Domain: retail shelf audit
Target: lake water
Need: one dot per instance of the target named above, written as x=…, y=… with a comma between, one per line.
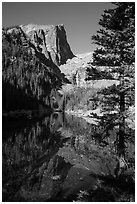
x=61, y=158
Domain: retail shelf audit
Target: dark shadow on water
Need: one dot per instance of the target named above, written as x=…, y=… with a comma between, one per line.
x=60, y=158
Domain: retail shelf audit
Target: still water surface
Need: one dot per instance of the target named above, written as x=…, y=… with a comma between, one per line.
x=57, y=158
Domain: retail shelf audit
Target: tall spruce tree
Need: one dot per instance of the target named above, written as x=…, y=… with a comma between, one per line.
x=116, y=50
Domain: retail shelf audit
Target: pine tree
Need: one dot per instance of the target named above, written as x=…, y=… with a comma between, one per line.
x=116, y=50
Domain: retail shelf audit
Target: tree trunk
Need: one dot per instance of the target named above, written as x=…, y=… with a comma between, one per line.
x=121, y=133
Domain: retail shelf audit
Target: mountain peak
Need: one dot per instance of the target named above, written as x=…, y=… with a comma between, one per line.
x=50, y=40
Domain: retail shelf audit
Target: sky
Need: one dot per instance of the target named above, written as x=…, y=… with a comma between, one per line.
x=80, y=19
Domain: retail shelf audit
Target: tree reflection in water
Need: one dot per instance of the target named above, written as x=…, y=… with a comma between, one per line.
x=61, y=158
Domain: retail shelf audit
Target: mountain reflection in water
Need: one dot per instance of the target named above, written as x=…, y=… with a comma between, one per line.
x=60, y=158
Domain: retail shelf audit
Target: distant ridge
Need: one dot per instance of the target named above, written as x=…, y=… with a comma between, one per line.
x=82, y=55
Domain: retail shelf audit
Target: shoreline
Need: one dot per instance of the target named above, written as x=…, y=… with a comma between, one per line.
x=86, y=115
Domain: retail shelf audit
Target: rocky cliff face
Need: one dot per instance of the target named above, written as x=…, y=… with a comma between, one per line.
x=50, y=41
x=30, y=57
